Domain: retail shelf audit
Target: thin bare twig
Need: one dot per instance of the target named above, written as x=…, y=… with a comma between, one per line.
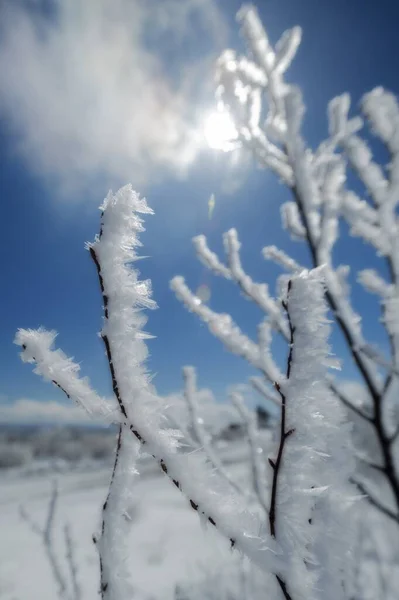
x=369, y=464
x=71, y=560
x=254, y=448
x=394, y=435
x=203, y=438
x=46, y=535
x=376, y=503
x=358, y=411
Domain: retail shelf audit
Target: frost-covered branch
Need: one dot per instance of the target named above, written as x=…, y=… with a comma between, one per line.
x=268, y=394
x=207, y=495
x=378, y=223
x=202, y=437
x=46, y=534
x=54, y=366
x=375, y=501
x=257, y=292
x=315, y=181
x=281, y=258
x=256, y=452
x=224, y=328
x=222, y=325
x=111, y=543
x=312, y=463
x=271, y=130
x=284, y=432
x=313, y=450
x=350, y=405
x=308, y=197
x=210, y=259
x=140, y=409
x=72, y=565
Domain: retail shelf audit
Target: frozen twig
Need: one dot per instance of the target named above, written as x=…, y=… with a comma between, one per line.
x=103, y=255
x=259, y=385
x=140, y=409
x=256, y=451
x=46, y=534
x=281, y=258
x=347, y=403
x=317, y=181
x=226, y=330
x=202, y=437
x=284, y=432
x=76, y=591
x=256, y=292
x=111, y=544
x=370, y=497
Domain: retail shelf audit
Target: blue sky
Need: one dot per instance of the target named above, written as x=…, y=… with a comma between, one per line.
x=78, y=116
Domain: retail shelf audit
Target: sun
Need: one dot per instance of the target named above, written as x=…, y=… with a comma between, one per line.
x=220, y=132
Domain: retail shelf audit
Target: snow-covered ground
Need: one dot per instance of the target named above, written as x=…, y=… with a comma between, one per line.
x=168, y=545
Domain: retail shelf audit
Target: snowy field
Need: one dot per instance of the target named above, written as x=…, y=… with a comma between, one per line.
x=168, y=546
x=167, y=543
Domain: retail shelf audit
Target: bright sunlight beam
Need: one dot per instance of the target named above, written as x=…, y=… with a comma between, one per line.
x=220, y=132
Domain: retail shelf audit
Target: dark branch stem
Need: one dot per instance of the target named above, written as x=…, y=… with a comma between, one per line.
x=46, y=535
x=284, y=434
x=376, y=503
x=394, y=436
x=103, y=582
x=349, y=404
x=370, y=465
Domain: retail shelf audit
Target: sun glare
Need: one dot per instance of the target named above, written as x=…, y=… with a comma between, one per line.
x=220, y=132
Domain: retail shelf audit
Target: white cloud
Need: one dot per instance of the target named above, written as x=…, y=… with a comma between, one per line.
x=89, y=92
x=217, y=415
x=28, y=411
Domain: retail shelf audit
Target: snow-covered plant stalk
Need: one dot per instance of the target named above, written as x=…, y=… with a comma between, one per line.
x=111, y=544
x=307, y=500
x=137, y=407
x=76, y=593
x=314, y=462
x=305, y=505
x=202, y=439
x=46, y=534
x=140, y=408
x=308, y=497
x=258, y=466
x=271, y=130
